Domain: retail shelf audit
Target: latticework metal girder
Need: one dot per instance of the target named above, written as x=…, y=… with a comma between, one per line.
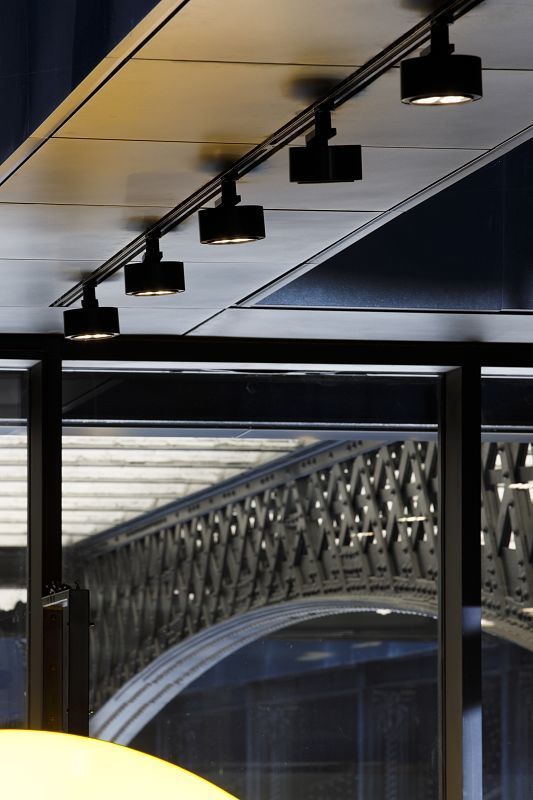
x=339, y=519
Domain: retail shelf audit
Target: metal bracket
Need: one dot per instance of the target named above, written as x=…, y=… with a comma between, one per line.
x=66, y=661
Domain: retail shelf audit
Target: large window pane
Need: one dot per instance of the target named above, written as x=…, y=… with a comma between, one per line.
x=507, y=516
x=261, y=555
x=344, y=707
x=13, y=548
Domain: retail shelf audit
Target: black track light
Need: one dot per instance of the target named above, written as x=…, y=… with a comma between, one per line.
x=91, y=321
x=319, y=162
x=153, y=276
x=230, y=223
x=438, y=77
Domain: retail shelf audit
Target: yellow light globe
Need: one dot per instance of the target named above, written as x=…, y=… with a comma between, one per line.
x=39, y=765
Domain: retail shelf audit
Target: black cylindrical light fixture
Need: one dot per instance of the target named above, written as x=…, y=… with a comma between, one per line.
x=319, y=162
x=90, y=322
x=152, y=276
x=439, y=77
x=230, y=223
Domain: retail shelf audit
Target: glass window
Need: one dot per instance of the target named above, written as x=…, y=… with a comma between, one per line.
x=261, y=555
x=344, y=706
x=13, y=548
x=507, y=514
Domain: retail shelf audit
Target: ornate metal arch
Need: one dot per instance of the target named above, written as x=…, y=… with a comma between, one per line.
x=340, y=520
x=143, y=696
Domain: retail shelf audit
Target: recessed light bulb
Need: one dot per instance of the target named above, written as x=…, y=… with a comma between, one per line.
x=85, y=337
x=426, y=101
x=155, y=293
x=455, y=99
x=241, y=240
x=444, y=100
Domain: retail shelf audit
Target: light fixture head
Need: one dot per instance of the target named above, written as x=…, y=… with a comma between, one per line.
x=91, y=322
x=319, y=162
x=438, y=77
x=153, y=277
x=230, y=223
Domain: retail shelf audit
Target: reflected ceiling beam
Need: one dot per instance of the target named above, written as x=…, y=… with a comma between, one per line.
x=109, y=480
x=12, y=566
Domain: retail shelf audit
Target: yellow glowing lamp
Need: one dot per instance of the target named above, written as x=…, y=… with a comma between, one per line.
x=38, y=765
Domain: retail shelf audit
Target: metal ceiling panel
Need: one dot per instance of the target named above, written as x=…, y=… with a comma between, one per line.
x=390, y=175
x=278, y=31
x=161, y=322
x=377, y=118
x=36, y=282
x=500, y=31
x=30, y=319
x=369, y=325
x=491, y=159
x=208, y=285
x=67, y=233
x=195, y=102
x=148, y=320
x=37, y=239
x=217, y=284
x=163, y=124
x=292, y=236
x=111, y=172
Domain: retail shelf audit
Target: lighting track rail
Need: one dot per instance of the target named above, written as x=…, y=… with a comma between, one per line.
x=297, y=126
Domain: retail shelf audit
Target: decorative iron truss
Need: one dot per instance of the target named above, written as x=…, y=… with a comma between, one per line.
x=337, y=519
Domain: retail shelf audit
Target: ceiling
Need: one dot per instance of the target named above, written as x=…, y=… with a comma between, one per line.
x=108, y=480
x=205, y=88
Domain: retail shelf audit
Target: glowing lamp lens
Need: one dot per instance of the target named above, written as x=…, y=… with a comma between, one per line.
x=38, y=765
x=446, y=100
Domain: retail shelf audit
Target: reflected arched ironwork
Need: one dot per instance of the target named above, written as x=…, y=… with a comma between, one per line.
x=122, y=717
x=337, y=520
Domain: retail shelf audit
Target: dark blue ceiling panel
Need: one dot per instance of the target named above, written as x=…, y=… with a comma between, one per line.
x=47, y=47
x=467, y=248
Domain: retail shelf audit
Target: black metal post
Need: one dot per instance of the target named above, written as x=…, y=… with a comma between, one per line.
x=44, y=515
x=66, y=661
x=460, y=585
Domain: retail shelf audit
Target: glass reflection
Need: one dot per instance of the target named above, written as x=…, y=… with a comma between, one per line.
x=341, y=707
x=348, y=711
x=13, y=547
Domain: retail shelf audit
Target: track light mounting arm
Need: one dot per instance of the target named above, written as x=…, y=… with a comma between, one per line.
x=228, y=193
x=439, y=39
x=152, y=252
x=323, y=130
x=89, y=296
